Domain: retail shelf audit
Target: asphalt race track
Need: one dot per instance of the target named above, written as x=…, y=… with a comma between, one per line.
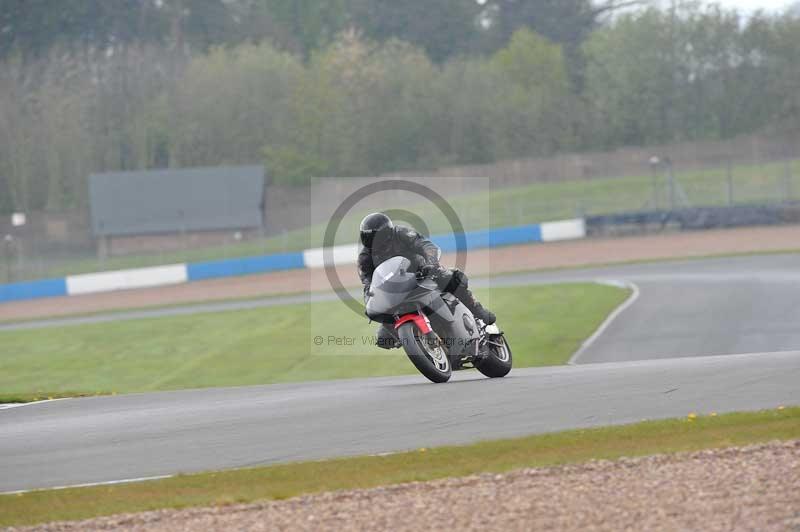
x=696, y=308
x=684, y=312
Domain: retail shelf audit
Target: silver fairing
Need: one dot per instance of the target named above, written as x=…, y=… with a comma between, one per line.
x=455, y=324
x=396, y=291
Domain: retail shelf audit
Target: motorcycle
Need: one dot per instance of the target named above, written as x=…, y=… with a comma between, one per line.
x=438, y=332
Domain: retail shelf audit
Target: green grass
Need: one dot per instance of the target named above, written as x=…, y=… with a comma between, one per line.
x=533, y=203
x=289, y=480
x=545, y=325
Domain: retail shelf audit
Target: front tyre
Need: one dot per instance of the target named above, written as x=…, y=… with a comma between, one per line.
x=426, y=353
x=497, y=361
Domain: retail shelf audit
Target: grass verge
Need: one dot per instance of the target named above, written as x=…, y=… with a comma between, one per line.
x=290, y=480
x=545, y=325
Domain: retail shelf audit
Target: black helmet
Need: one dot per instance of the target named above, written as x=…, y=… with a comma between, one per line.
x=372, y=224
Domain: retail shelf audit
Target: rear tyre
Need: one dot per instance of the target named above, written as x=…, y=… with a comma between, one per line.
x=428, y=356
x=497, y=361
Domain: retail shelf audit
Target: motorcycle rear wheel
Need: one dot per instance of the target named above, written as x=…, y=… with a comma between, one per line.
x=431, y=361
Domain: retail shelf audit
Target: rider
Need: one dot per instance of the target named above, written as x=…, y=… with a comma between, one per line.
x=382, y=240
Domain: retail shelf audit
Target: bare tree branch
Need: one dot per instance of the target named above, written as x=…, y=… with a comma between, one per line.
x=615, y=5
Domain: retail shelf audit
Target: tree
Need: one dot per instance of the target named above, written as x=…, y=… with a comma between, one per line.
x=232, y=102
x=565, y=22
x=32, y=27
x=630, y=79
x=535, y=94
x=782, y=87
x=690, y=73
x=340, y=120
x=443, y=28
x=300, y=26
x=468, y=98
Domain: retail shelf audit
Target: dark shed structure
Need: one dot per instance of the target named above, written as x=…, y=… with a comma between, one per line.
x=169, y=201
x=175, y=202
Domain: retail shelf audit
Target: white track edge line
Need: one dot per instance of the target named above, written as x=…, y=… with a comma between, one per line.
x=609, y=320
x=20, y=405
x=90, y=484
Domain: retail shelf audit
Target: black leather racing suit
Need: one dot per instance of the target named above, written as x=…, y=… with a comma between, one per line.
x=421, y=252
x=403, y=242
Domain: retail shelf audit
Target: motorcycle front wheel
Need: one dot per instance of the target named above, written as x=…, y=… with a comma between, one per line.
x=428, y=356
x=497, y=361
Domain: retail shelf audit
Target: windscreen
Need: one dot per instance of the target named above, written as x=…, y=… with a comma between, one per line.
x=392, y=276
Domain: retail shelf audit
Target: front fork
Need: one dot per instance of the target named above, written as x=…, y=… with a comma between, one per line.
x=420, y=320
x=423, y=324
x=489, y=336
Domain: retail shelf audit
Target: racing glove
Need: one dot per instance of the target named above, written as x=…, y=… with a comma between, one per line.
x=431, y=270
x=366, y=291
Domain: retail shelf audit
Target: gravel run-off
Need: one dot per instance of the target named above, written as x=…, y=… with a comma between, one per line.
x=746, y=488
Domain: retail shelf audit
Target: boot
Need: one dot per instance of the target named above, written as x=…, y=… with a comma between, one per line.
x=386, y=338
x=465, y=296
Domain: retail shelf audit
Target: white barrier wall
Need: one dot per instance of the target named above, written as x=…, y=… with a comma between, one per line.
x=563, y=230
x=126, y=279
x=312, y=258
x=342, y=255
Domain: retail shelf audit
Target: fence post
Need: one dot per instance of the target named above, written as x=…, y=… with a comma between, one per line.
x=788, y=180
x=729, y=171
x=654, y=162
x=8, y=256
x=672, y=191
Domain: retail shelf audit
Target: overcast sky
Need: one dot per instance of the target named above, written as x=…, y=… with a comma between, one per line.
x=752, y=5
x=747, y=6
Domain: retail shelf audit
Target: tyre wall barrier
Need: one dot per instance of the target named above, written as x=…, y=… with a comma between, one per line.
x=33, y=290
x=692, y=219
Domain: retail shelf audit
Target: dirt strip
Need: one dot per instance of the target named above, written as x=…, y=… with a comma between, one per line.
x=750, y=488
x=481, y=262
